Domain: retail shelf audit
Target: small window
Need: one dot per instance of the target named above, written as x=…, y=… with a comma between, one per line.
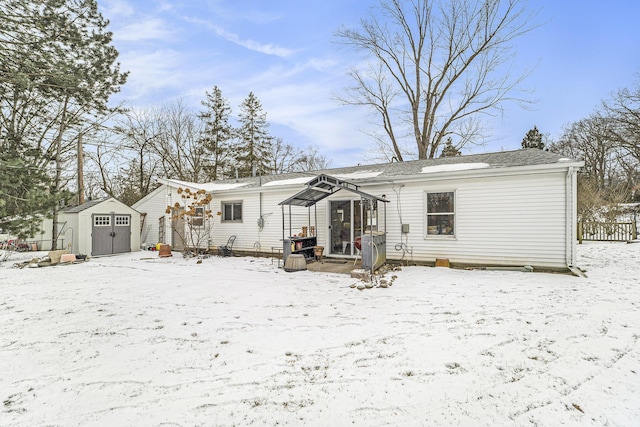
x=102, y=220
x=198, y=217
x=122, y=220
x=440, y=213
x=232, y=211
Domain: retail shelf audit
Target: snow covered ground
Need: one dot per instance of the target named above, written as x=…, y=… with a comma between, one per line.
x=138, y=340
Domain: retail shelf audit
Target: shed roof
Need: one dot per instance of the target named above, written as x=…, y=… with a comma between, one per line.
x=84, y=206
x=91, y=203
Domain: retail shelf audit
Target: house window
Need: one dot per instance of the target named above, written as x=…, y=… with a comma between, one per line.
x=440, y=211
x=232, y=211
x=198, y=217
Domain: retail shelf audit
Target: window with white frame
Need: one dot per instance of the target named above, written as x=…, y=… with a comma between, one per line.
x=102, y=221
x=198, y=217
x=122, y=220
x=232, y=211
x=440, y=212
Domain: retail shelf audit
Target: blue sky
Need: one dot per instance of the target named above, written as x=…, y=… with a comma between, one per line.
x=285, y=53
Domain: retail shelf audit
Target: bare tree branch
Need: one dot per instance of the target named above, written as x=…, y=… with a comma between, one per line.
x=438, y=65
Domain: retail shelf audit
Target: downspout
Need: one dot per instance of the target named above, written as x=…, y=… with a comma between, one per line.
x=168, y=230
x=571, y=214
x=260, y=218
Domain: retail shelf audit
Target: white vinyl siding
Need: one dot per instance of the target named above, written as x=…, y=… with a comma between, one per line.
x=502, y=217
x=249, y=235
x=154, y=205
x=501, y=220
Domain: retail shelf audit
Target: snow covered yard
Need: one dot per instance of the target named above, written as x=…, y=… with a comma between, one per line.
x=138, y=340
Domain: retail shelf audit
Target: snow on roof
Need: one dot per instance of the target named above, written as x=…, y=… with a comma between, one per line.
x=214, y=186
x=357, y=175
x=454, y=167
x=207, y=186
x=305, y=179
x=177, y=182
x=290, y=181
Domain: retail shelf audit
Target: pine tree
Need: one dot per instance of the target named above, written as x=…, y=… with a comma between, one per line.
x=252, y=153
x=449, y=150
x=533, y=139
x=26, y=194
x=56, y=68
x=217, y=132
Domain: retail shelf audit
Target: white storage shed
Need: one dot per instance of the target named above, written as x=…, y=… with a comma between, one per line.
x=97, y=227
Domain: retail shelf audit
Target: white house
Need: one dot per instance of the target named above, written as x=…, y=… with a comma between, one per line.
x=515, y=208
x=97, y=227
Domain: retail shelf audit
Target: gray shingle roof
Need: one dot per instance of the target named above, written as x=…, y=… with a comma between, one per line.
x=84, y=206
x=503, y=159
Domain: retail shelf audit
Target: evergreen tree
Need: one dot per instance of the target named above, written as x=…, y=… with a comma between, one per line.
x=252, y=153
x=533, y=139
x=57, y=67
x=217, y=132
x=26, y=194
x=449, y=150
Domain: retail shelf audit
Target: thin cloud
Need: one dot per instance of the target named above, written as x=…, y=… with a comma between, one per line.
x=147, y=29
x=268, y=49
x=152, y=72
x=117, y=8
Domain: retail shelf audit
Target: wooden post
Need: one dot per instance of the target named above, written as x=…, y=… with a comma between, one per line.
x=80, y=171
x=580, y=232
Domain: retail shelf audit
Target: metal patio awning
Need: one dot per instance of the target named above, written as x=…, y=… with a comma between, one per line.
x=324, y=186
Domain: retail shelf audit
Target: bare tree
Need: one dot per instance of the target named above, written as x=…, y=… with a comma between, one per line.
x=284, y=157
x=179, y=144
x=311, y=160
x=599, y=182
x=624, y=110
x=435, y=67
x=137, y=131
x=122, y=162
x=591, y=140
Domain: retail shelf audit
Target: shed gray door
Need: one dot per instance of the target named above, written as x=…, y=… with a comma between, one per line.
x=110, y=234
x=122, y=233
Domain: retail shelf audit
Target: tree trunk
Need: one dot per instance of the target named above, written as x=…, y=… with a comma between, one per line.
x=56, y=182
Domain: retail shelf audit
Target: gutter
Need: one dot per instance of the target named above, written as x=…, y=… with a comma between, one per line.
x=474, y=173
